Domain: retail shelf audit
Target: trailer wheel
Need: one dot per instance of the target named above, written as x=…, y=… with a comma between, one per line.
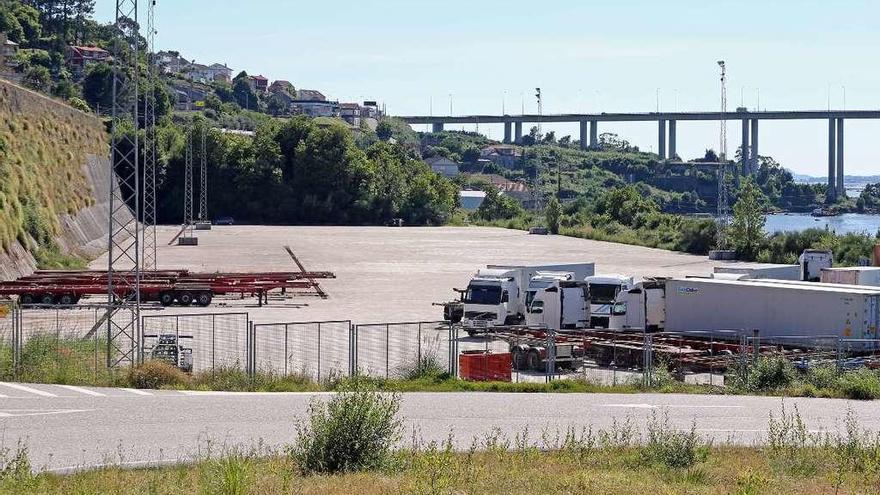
x=47, y=299
x=26, y=299
x=204, y=299
x=67, y=300
x=166, y=298
x=534, y=361
x=185, y=298
x=519, y=356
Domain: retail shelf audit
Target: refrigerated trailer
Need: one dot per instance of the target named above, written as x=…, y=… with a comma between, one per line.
x=772, y=308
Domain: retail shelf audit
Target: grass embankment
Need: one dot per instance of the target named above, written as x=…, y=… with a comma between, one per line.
x=621, y=460
x=43, y=147
x=45, y=359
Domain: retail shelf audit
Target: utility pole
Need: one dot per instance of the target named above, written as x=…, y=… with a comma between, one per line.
x=536, y=186
x=122, y=318
x=203, y=183
x=722, y=165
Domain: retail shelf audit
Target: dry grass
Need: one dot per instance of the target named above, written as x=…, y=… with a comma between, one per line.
x=727, y=471
x=43, y=147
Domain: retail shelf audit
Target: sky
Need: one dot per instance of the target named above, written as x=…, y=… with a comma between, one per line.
x=483, y=56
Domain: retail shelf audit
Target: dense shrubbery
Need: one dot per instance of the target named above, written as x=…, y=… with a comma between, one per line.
x=300, y=171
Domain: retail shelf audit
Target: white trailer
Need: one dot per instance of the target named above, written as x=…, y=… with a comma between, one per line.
x=641, y=308
x=853, y=275
x=496, y=294
x=759, y=271
x=773, y=308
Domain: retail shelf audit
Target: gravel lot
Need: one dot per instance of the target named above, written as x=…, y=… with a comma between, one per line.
x=394, y=274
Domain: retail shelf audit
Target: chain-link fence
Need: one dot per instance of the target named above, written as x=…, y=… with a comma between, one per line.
x=406, y=349
x=320, y=350
x=198, y=342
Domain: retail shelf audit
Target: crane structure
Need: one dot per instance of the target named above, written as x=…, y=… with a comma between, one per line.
x=723, y=210
x=149, y=257
x=122, y=316
x=186, y=237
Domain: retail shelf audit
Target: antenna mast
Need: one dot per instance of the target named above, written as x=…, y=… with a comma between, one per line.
x=149, y=260
x=723, y=210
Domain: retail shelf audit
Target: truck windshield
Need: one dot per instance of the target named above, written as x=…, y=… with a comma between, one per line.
x=483, y=294
x=603, y=293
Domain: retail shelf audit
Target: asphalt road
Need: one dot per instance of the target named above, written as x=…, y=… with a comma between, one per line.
x=71, y=427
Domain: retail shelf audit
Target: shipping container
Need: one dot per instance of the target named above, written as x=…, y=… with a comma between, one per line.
x=773, y=308
x=760, y=271
x=853, y=275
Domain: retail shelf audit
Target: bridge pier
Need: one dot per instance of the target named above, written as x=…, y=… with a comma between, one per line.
x=594, y=134
x=661, y=144
x=437, y=127
x=517, y=132
x=583, y=140
x=507, y=132
x=831, y=195
x=753, y=152
x=746, y=156
x=673, y=154
x=841, y=189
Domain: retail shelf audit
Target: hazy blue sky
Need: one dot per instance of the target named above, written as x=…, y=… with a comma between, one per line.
x=585, y=55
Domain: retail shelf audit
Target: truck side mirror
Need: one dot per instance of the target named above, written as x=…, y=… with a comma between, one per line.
x=505, y=297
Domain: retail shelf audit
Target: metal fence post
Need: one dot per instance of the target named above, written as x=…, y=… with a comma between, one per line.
x=286, y=352
x=551, y=354
x=839, y=355
x=647, y=360
x=387, y=356
x=352, y=349
x=319, y=351
x=756, y=344
x=419, y=346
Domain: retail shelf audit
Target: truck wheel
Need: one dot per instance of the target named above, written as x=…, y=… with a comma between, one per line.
x=519, y=357
x=166, y=298
x=67, y=300
x=185, y=298
x=26, y=299
x=203, y=299
x=47, y=299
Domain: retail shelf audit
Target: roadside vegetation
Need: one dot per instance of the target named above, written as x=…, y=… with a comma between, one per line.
x=351, y=443
x=45, y=359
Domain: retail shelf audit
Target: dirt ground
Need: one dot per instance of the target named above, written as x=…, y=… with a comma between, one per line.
x=394, y=274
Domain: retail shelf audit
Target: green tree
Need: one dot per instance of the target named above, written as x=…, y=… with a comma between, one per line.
x=79, y=104
x=98, y=87
x=552, y=214
x=38, y=78
x=746, y=232
x=243, y=93
x=497, y=206
x=384, y=131
x=9, y=24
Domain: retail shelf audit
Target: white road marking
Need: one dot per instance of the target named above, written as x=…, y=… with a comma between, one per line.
x=676, y=406
x=28, y=389
x=83, y=390
x=226, y=393
x=19, y=413
x=135, y=391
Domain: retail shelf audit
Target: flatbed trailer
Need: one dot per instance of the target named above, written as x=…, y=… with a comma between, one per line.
x=67, y=287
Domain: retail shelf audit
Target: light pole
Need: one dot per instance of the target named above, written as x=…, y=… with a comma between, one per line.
x=844, y=96
x=658, y=100
x=504, y=103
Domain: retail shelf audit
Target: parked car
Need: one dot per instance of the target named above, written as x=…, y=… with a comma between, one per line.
x=224, y=221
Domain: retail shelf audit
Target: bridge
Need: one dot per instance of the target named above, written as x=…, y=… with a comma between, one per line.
x=666, y=129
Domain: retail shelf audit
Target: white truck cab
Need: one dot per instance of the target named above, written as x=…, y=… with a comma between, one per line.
x=564, y=304
x=641, y=308
x=604, y=290
x=490, y=298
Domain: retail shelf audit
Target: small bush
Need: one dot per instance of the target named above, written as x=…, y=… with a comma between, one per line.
x=862, y=384
x=765, y=374
x=354, y=431
x=426, y=367
x=672, y=448
x=15, y=465
x=156, y=374
x=229, y=475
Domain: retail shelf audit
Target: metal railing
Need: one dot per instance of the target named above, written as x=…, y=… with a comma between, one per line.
x=320, y=350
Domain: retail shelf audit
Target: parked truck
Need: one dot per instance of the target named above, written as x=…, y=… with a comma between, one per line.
x=496, y=295
x=641, y=308
x=560, y=305
x=604, y=290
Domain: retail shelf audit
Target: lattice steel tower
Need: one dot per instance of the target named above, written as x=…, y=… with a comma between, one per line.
x=203, y=178
x=149, y=259
x=188, y=184
x=723, y=210
x=124, y=256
